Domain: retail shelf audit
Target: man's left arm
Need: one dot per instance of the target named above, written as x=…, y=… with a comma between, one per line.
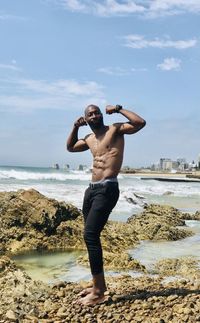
x=134, y=124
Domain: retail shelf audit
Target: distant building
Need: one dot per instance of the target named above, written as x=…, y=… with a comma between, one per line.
x=166, y=164
x=182, y=164
x=56, y=166
x=82, y=167
x=66, y=166
x=193, y=165
x=181, y=160
x=155, y=167
x=175, y=165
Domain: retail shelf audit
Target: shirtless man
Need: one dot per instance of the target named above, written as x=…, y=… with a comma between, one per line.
x=106, y=144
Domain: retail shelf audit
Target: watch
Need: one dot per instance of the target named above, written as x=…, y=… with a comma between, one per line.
x=118, y=108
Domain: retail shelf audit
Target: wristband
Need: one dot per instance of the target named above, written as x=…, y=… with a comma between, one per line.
x=118, y=108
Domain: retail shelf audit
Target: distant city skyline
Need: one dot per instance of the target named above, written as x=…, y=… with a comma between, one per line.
x=180, y=164
x=57, y=56
x=82, y=166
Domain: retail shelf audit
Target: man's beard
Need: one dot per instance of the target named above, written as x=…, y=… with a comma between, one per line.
x=96, y=125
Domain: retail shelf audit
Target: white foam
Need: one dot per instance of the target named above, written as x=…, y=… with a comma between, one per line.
x=160, y=188
x=58, y=176
x=70, y=187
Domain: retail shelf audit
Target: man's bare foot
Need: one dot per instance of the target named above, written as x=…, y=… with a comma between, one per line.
x=92, y=299
x=85, y=291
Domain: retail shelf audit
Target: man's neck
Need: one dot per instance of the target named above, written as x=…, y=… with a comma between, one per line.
x=100, y=131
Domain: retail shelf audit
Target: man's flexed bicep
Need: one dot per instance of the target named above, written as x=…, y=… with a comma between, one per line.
x=73, y=143
x=134, y=124
x=128, y=128
x=79, y=146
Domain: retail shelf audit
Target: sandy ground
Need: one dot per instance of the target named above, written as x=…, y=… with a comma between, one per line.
x=162, y=174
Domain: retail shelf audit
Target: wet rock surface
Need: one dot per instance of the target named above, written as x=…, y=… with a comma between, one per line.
x=158, y=222
x=187, y=267
x=31, y=221
x=188, y=216
x=116, y=261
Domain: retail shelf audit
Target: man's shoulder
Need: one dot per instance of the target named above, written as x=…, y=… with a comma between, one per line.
x=116, y=126
x=88, y=136
x=113, y=130
x=113, y=126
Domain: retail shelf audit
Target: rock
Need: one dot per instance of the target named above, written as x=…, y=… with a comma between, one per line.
x=116, y=261
x=30, y=221
x=19, y=293
x=186, y=267
x=159, y=222
x=172, y=297
x=5, y=264
x=62, y=312
x=10, y=315
x=196, y=216
x=168, y=193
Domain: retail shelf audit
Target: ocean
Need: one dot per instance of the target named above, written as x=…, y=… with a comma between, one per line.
x=69, y=186
x=135, y=192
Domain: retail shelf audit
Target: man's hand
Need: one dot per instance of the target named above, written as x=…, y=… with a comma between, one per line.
x=110, y=109
x=80, y=122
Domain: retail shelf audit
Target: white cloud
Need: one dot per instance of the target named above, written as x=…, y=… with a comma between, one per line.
x=27, y=94
x=112, y=7
x=172, y=7
x=139, y=41
x=11, y=67
x=142, y=69
x=74, y=5
x=147, y=8
x=170, y=64
x=71, y=87
x=118, y=71
x=102, y=8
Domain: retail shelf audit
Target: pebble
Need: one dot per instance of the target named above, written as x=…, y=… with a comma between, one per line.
x=10, y=315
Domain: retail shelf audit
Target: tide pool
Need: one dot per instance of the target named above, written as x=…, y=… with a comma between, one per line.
x=51, y=267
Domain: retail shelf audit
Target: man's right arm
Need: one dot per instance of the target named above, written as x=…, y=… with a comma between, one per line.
x=73, y=143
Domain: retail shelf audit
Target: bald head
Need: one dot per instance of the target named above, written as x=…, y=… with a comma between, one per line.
x=94, y=117
x=90, y=107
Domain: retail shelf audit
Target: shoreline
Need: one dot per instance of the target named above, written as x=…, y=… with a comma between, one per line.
x=165, y=177
x=160, y=174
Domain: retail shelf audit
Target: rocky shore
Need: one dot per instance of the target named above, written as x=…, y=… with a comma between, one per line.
x=31, y=221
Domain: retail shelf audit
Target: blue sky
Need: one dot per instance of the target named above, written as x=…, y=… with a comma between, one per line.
x=57, y=56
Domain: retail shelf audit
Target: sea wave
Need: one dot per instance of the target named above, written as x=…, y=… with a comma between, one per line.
x=39, y=176
x=151, y=188
x=128, y=186
x=69, y=186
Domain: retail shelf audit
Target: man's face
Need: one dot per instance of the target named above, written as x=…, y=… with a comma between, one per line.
x=94, y=117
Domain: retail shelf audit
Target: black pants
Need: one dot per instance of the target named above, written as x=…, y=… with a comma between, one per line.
x=97, y=205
